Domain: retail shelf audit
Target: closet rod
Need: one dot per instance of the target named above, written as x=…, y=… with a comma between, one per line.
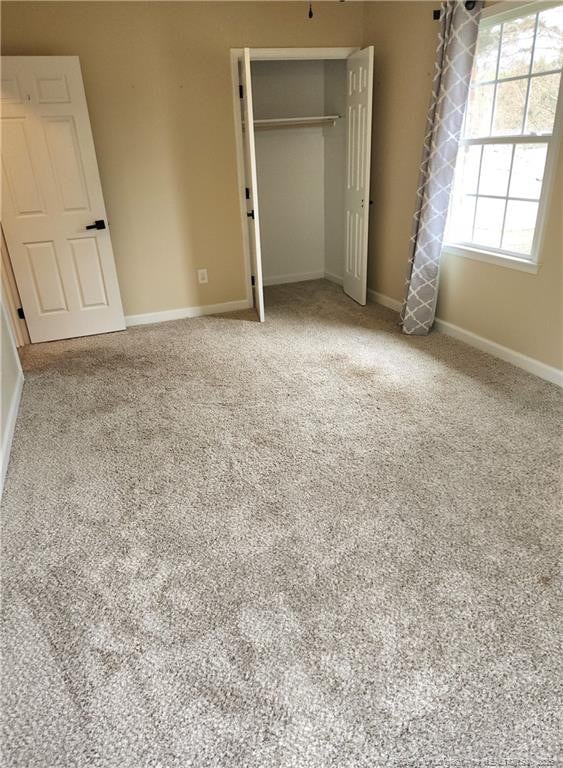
x=290, y=122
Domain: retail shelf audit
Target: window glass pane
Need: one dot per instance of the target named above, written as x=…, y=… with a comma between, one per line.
x=513, y=92
x=519, y=227
x=460, y=223
x=488, y=221
x=548, y=52
x=467, y=169
x=509, y=107
x=486, y=54
x=516, y=47
x=527, y=170
x=479, y=109
x=542, y=103
x=495, y=169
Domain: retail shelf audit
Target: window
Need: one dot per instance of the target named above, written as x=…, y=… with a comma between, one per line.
x=508, y=142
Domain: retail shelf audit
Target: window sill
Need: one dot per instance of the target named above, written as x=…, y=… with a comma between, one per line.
x=489, y=257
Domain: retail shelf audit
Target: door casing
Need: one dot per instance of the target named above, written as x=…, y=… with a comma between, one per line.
x=265, y=54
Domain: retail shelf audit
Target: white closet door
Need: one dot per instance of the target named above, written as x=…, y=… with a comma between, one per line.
x=63, y=264
x=359, y=95
x=252, y=183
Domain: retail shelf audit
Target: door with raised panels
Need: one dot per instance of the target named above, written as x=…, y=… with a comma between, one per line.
x=252, y=184
x=359, y=96
x=53, y=212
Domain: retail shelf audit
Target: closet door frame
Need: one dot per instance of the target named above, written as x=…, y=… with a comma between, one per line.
x=264, y=54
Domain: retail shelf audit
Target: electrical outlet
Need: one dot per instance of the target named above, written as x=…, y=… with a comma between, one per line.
x=202, y=276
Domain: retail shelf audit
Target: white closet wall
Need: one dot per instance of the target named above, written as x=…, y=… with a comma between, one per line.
x=287, y=88
x=291, y=196
x=300, y=170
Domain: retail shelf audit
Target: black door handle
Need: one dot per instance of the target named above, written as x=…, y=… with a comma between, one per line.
x=98, y=224
x=250, y=214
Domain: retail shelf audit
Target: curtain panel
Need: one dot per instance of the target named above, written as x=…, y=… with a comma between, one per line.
x=459, y=23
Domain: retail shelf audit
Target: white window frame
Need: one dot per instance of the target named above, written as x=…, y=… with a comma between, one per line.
x=499, y=13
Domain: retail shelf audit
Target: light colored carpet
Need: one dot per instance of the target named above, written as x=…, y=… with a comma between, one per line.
x=313, y=543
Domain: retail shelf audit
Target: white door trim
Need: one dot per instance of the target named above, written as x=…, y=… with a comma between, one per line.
x=296, y=54
x=265, y=54
x=237, y=56
x=11, y=296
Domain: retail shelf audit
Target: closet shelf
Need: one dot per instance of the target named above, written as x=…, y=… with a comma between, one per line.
x=294, y=122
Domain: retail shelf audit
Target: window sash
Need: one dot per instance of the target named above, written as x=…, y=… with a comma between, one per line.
x=533, y=138
x=512, y=78
x=492, y=17
x=509, y=10
x=472, y=246
x=481, y=195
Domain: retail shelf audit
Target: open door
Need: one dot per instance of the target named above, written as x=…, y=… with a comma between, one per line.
x=252, y=185
x=53, y=211
x=359, y=98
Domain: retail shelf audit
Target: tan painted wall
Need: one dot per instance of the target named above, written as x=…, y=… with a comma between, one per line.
x=158, y=84
x=515, y=309
x=403, y=37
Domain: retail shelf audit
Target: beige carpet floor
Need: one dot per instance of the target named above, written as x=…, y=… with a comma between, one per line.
x=309, y=544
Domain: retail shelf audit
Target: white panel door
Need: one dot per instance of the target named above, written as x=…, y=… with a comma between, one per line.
x=252, y=184
x=359, y=96
x=52, y=199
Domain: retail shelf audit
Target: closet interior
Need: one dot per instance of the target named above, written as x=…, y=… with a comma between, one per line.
x=300, y=141
x=303, y=152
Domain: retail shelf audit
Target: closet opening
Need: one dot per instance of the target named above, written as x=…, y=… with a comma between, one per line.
x=303, y=124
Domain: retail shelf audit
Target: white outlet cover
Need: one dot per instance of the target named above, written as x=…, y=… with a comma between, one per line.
x=202, y=276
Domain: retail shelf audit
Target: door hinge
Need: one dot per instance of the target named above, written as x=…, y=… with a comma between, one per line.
x=247, y=193
x=252, y=281
x=21, y=313
x=250, y=214
x=241, y=92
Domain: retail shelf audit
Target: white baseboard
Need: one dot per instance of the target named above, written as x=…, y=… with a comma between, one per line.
x=298, y=277
x=385, y=301
x=338, y=279
x=9, y=428
x=529, y=364
x=184, y=312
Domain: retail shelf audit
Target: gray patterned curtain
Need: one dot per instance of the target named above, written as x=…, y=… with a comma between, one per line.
x=454, y=59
